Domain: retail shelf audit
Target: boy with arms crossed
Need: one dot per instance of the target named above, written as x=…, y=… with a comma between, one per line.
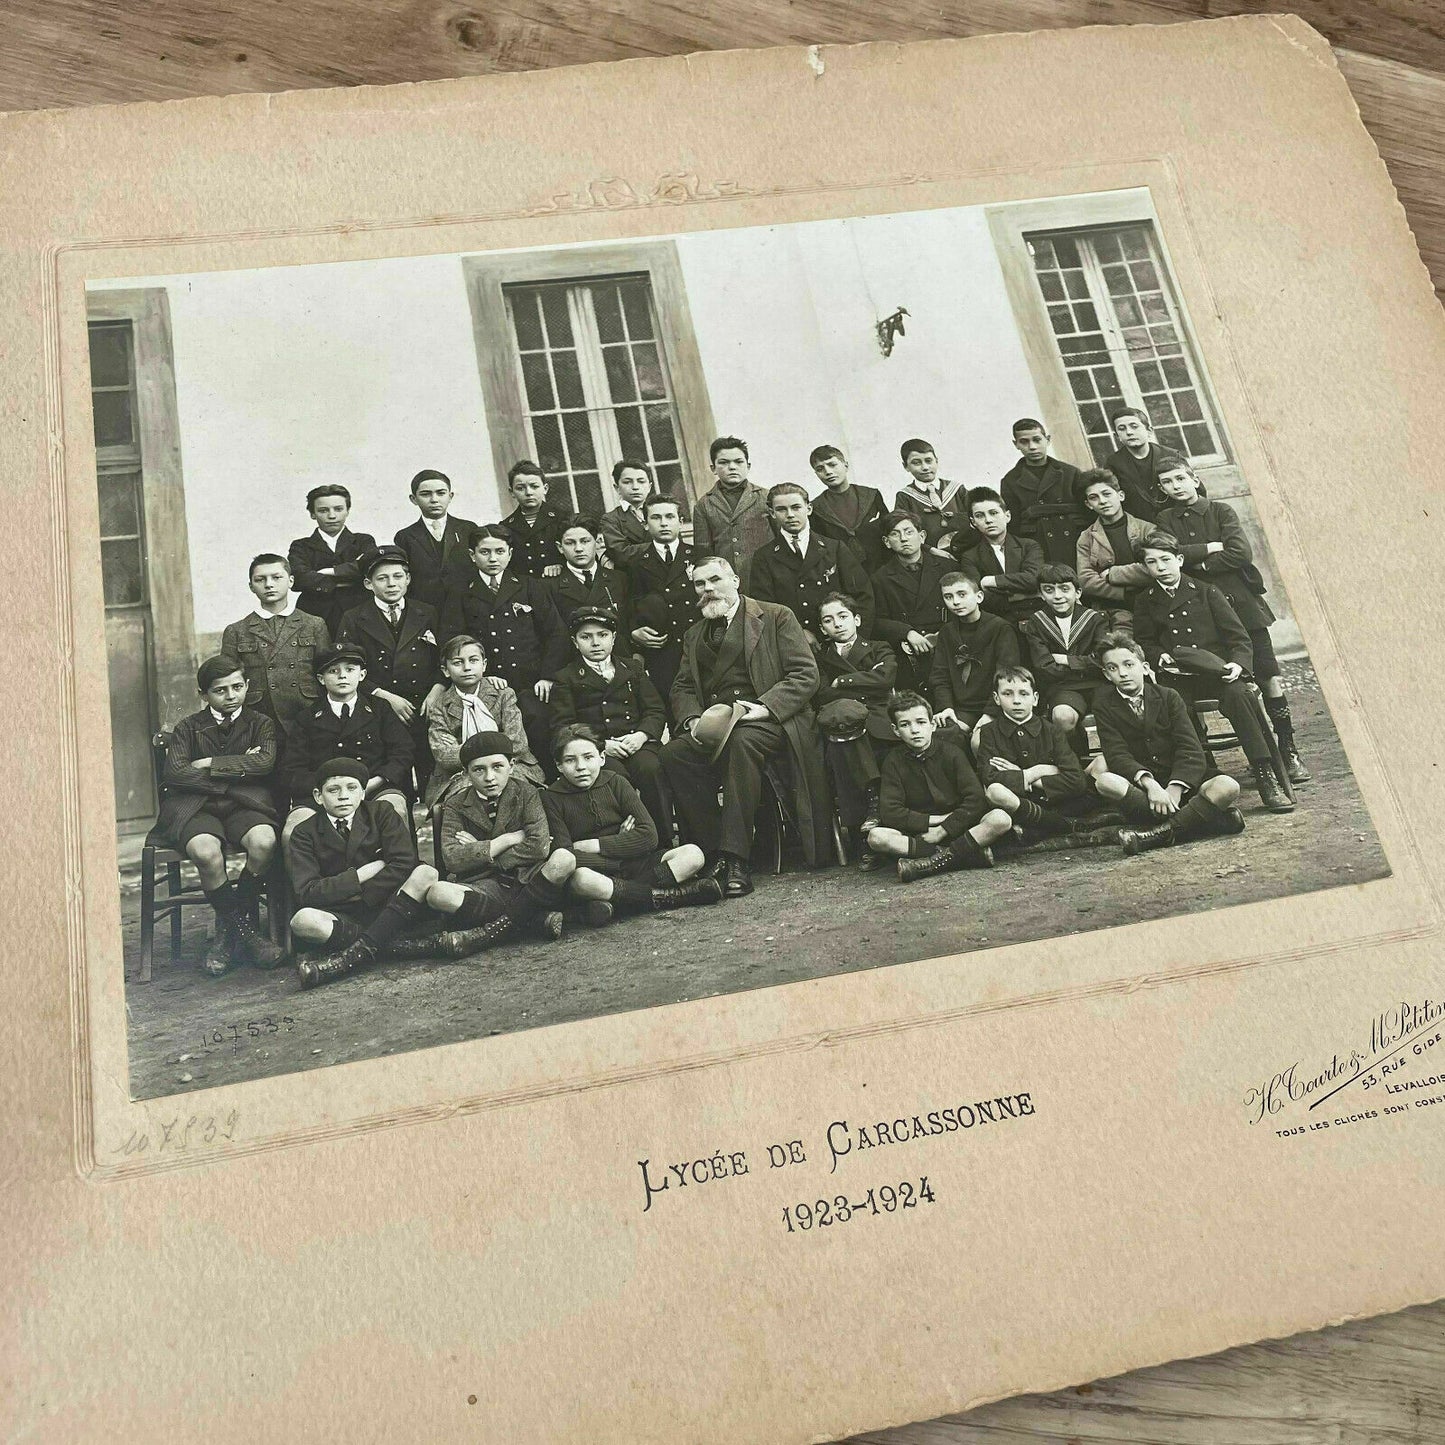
x=215, y=789
x=1148, y=737
x=906, y=593
x=1042, y=493
x=327, y=564
x=1007, y=565
x=1061, y=639
x=933, y=815
x=1107, y=560
x=598, y=816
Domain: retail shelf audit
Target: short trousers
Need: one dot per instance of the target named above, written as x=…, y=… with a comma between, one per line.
x=224, y=819
x=1080, y=700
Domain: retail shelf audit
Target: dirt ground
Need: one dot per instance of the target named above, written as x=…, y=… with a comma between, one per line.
x=190, y=1032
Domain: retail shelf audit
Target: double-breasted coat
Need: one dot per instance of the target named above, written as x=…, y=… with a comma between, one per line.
x=1044, y=504
x=784, y=675
x=278, y=656
x=665, y=588
x=434, y=562
x=1195, y=525
x=235, y=772
x=629, y=703
x=783, y=575
x=1162, y=742
x=534, y=543
x=323, y=865
x=865, y=673
x=722, y=527
x=607, y=588
x=1197, y=615
x=372, y=734
x=516, y=624
x=329, y=597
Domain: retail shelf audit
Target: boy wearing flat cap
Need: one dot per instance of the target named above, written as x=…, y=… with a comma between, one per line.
x=348, y=724
x=501, y=867
x=215, y=790
x=398, y=639
x=356, y=878
x=614, y=696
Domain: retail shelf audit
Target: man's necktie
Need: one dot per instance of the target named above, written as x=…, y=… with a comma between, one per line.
x=393, y=613
x=343, y=826
x=345, y=713
x=1136, y=704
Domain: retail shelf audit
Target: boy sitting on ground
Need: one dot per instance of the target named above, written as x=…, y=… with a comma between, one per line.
x=597, y=815
x=1062, y=638
x=1147, y=736
x=356, y=877
x=933, y=815
x=1025, y=763
x=971, y=648
x=215, y=789
x=501, y=865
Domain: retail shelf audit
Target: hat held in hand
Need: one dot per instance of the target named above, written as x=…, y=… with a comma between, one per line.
x=714, y=727
x=843, y=720
x=1199, y=660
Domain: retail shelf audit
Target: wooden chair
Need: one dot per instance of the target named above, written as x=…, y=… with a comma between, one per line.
x=1227, y=738
x=777, y=808
x=160, y=862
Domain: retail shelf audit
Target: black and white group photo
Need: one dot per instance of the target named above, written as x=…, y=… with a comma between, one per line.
x=500, y=639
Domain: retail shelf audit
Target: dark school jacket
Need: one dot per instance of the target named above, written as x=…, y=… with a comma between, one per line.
x=608, y=589
x=1198, y=615
x=235, y=772
x=373, y=735
x=406, y=661
x=651, y=576
x=323, y=866
x=915, y=786
x=1028, y=744
x=1045, y=505
x=329, y=597
x=1017, y=591
x=905, y=601
x=863, y=536
x=799, y=583
x=433, y=562
x=865, y=675
x=1201, y=522
x=518, y=810
x=1139, y=477
x=517, y=626
x=1042, y=638
x=965, y=658
x=1162, y=743
x=630, y=703
x=534, y=544
x=625, y=535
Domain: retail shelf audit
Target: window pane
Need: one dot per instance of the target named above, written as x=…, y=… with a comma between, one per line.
x=548, y=435
x=609, y=312
x=649, y=372
x=554, y=310
x=1136, y=339
x=1197, y=441
x=1145, y=276
x=1176, y=373
x=539, y=382
x=113, y=423
x=1154, y=308
x=526, y=321
x=1107, y=380
x=1161, y=414
x=569, y=379
x=1092, y=415
x=1082, y=385
x=630, y=431
x=1042, y=250
x=121, y=573
x=1166, y=340
x=1062, y=319
x=661, y=432
x=669, y=478
x=1086, y=317
x=1136, y=248
x=1078, y=288
x=1171, y=439
x=1051, y=286
x=1149, y=376
x=1106, y=247
x=587, y=487
x=579, y=440
x=1067, y=252
x=119, y=513
x=110, y=355
x=1127, y=310
x=1187, y=405
x=1116, y=278
x=620, y=386
x=637, y=309
x=1102, y=448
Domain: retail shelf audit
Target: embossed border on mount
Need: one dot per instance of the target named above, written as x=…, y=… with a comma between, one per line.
x=673, y=189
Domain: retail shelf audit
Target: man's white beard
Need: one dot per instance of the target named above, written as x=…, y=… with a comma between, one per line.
x=715, y=607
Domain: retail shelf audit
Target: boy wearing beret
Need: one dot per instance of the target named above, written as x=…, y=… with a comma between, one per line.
x=398, y=638
x=502, y=869
x=215, y=790
x=600, y=818
x=357, y=881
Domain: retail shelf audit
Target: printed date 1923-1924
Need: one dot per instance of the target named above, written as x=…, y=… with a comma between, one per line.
x=884, y=1199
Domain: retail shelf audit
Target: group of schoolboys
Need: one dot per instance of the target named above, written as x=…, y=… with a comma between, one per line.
x=944, y=652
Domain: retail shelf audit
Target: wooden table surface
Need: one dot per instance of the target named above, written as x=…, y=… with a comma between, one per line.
x=1380, y=1380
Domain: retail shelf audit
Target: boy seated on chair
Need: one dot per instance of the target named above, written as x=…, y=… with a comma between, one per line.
x=1196, y=643
x=356, y=878
x=933, y=815
x=852, y=708
x=1025, y=763
x=615, y=697
x=472, y=703
x=1217, y=550
x=598, y=816
x=971, y=647
x=215, y=790
x=1152, y=767
x=346, y=724
x=1007, y=565
x=497, y=849
x=1061, y=638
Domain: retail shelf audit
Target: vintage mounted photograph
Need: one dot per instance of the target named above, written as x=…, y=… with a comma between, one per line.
x=502, y=639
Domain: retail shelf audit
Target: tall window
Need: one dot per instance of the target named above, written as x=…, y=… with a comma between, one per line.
x=118, y=459
x=1117, y=328
x=595, y=384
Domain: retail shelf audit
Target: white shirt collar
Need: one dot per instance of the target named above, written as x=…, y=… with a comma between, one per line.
x=606, y=668
x=800, y=541
x=733, y=610
x=286, y=611
x=221, y=718
x=330, y=541
x=662, y=549
x=583, y=574
x=385, y=607
x=997, y=548
x=351, y=702
x=435, y=525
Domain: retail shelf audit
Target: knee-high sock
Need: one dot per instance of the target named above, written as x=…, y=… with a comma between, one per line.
x=631, y=895
x=400, y=912
x=1279, y=715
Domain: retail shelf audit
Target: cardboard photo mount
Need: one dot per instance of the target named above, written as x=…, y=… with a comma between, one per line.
x=474, y=1240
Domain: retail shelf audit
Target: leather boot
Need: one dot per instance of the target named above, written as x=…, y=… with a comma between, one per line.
x=961, y=853
x=220, y=956
x=331, y=966
x=1141, y=840
x=1270, y=793
x=597, y=913
x=407, y=947
x=868, y=860
x=250, y=945
x=870, y=809
x=461, y=942
x=1294, y=766
x=686, y=895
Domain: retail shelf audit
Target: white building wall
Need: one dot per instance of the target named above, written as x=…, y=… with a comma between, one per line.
x=364, y=372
